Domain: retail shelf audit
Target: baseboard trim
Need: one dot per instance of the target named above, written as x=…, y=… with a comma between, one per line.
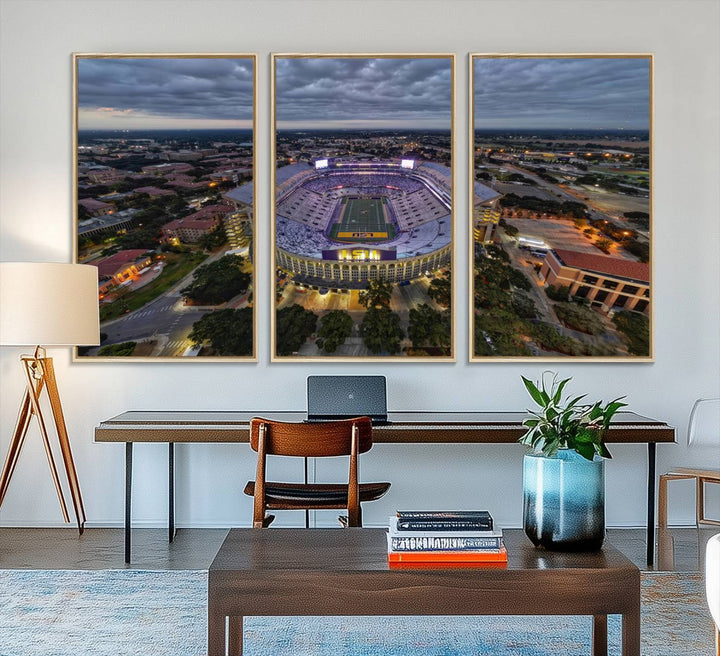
x=141, y=523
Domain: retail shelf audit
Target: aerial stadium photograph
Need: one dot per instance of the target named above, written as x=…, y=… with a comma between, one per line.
x=363, y=207
x=561, y=196
x=164, y=193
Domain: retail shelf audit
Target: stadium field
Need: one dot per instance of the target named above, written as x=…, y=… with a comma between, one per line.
x=363, y=219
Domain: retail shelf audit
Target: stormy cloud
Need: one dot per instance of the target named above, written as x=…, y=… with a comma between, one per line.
x=141, y=93
x=336, y=92
x=570, y=93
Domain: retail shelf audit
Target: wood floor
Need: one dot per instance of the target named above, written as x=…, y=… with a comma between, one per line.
x=680, y=549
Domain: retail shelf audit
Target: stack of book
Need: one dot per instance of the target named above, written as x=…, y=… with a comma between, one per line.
x=445, y=538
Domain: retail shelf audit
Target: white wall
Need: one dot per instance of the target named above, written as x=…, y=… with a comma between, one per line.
x=35, y=222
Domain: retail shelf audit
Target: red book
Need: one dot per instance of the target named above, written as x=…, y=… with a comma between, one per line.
x=448, y=565
x=450, y=557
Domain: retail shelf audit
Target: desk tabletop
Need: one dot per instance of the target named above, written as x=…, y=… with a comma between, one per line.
x=215, y=426
x=365, y=549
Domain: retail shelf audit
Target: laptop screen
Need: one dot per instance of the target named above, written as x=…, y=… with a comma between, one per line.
x=340, y=397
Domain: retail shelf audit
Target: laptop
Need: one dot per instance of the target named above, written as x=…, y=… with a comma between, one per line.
x=330, y=398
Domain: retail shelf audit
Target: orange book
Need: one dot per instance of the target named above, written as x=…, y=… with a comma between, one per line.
x=448, y=565
x=486, y=556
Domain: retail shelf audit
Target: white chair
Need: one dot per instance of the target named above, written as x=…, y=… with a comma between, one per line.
x=703, y=430
x=712, y=584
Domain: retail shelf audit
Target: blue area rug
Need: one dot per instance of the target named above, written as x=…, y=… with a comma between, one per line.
x=134, y=612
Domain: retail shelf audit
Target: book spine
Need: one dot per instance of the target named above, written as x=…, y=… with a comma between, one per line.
x=444, y=515
x=446, y=525
x=444, y=564
x=413, y=543
x=393, y=532
x=490, y=556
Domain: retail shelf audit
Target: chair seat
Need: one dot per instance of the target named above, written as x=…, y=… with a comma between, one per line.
x=288, y=496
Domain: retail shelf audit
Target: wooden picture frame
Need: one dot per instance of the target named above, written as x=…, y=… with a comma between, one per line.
x=164, y=192
x=560, y=195
x=362, y=211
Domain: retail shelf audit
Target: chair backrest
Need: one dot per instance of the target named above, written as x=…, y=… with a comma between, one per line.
x=704, y=423
x=313, y=439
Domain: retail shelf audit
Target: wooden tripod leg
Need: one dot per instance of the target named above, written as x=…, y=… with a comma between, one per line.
x=18, y=438
x=33, y=390
x=54, y=395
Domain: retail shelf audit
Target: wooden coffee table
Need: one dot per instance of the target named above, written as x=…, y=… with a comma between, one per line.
x=275, y=572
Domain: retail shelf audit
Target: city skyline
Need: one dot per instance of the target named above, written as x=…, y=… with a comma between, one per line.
x=363, y=93
x=145, y=93
x=541, y=92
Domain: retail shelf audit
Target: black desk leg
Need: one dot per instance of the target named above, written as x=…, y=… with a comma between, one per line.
x=307, y=512
x=171, y=491
x=651, y=505
x=128, y=497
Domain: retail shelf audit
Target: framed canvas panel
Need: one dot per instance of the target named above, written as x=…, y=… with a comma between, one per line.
x=362, y=210
x=164, y=198
x=561, y=203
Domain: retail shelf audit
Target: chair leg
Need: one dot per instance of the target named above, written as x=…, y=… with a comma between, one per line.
x=662, y=501
x=699, y=501
x=354, y=517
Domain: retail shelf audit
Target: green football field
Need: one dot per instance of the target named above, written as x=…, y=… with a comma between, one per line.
x=363, y=219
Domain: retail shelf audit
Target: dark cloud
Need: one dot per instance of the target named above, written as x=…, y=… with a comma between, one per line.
x=363, y=92
x=573, y=92
x=186, y=88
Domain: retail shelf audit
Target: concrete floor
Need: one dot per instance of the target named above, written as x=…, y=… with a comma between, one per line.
x=679, y=549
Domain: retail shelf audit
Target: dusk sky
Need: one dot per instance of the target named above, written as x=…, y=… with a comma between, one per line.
x=571, y=93
x=387, y=93
x=164, y=93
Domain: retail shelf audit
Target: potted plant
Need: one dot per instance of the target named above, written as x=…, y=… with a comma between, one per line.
x=564, y=468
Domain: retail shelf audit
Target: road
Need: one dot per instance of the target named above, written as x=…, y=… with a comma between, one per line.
x=566, y=194
x=164, y=320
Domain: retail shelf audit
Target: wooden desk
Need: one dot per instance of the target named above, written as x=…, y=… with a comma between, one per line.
x=276, y=572
x=207, y=426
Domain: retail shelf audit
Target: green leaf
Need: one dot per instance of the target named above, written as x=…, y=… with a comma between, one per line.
x=572, y=424
x=534, y=392
x=571, y=404
x=586, y=451
x=586, y=436
x=558, y=393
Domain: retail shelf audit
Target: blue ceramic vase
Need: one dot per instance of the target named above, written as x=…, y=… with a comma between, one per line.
x=564, y=501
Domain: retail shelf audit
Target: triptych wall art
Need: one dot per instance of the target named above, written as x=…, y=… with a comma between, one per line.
x=362, y=219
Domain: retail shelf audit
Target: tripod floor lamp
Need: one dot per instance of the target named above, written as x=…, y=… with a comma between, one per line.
x=46, y=304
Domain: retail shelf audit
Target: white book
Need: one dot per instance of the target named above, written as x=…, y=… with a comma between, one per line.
x=394, y=532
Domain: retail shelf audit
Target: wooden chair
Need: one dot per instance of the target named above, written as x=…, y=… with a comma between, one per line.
x=703, y=429
x=349, y=437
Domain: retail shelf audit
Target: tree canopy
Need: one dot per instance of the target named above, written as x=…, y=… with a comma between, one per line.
x=381, y=331
x=441, y=290
x=116, y=350
x=293, y=325
x=636, y=328
x=213, y=239
x=429, y=327
x=229, y=332
x=218, y=281
x=335, y=328
x=376, y=295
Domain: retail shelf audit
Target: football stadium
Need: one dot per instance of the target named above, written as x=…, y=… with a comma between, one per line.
x=342, y=223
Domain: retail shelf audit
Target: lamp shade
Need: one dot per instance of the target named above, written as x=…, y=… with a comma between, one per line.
x=48, y=304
